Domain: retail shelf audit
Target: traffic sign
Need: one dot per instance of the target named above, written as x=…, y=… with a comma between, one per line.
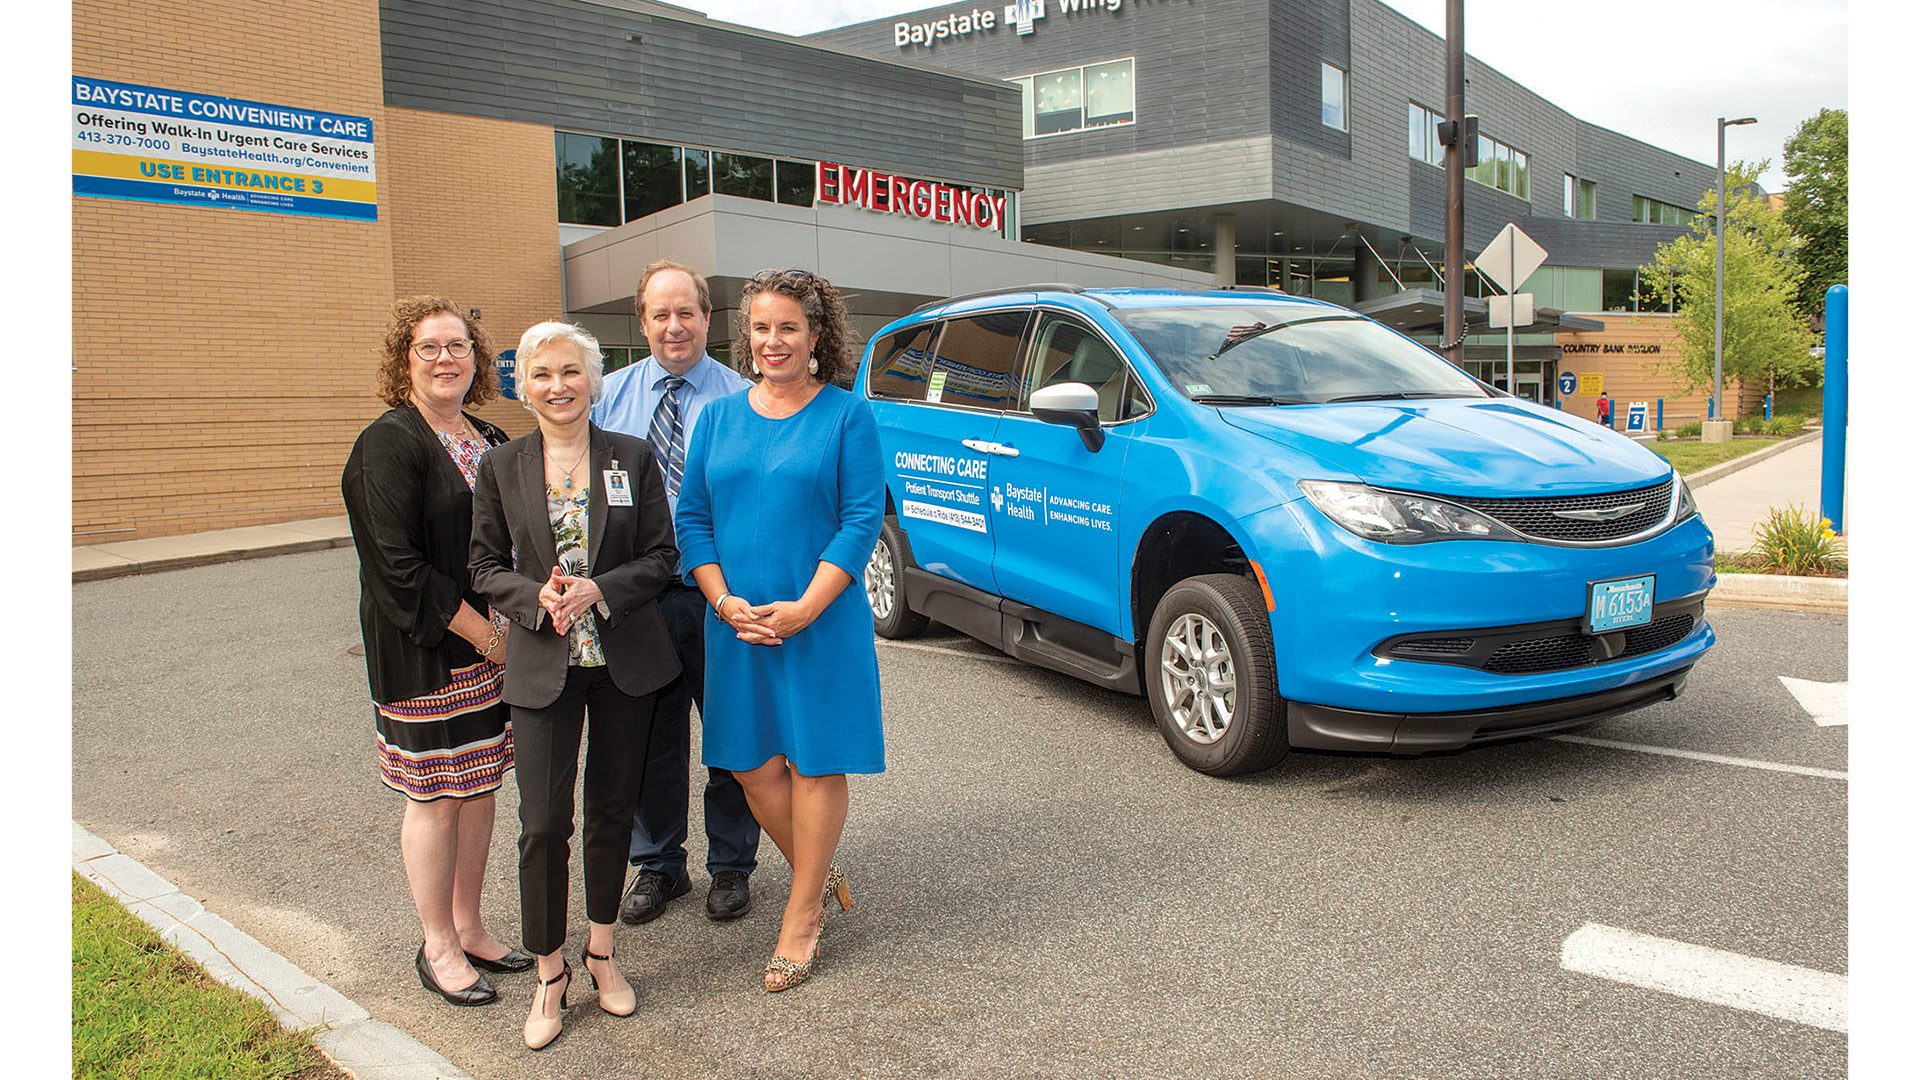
x=1511, y=258
x=1514, y=310
x=1569, y=382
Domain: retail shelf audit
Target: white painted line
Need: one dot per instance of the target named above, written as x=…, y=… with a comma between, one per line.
x=1695, y=755
x=1826, y=702
x=993, y=657
x=1783, y=991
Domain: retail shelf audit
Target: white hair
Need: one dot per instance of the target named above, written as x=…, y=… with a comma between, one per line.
x=541, y=336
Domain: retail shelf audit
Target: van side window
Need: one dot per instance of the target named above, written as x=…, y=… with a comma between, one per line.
x=1067, y=350
x=901, y=362
x=978, y=355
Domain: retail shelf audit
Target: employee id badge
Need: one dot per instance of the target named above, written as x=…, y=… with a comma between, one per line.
x=619, y=492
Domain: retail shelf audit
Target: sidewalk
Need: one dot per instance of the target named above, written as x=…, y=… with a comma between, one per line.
x=93, y=562
x=1733, y=504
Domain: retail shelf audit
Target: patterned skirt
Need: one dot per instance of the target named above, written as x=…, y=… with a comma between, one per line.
x=456, y=742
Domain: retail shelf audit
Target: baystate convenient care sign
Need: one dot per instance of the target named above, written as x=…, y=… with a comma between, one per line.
x=154, y=145
x=1022, y=15
x=886, y=193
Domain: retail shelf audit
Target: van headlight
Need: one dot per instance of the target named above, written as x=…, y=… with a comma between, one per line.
x=1687, y=507
x=1394, y=517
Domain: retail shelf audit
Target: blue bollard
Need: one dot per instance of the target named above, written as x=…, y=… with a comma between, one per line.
x=1833, y=422
x=1768, y=413
x=1660, y=414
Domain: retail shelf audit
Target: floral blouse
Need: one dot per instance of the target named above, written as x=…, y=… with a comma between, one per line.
x=568, y=515
x=466, y=454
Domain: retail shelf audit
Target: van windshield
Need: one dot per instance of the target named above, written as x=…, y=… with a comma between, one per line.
x=1263, y=354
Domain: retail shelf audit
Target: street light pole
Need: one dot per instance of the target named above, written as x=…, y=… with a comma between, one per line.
x=1719, y=403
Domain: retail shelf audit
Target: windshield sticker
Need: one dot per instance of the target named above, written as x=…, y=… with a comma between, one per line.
x=936, y=386
x=1198, y=388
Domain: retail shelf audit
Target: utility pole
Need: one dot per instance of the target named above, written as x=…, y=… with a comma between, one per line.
x=1453, y=332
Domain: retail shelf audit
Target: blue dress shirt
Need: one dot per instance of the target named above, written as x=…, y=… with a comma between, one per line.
x=628, y=398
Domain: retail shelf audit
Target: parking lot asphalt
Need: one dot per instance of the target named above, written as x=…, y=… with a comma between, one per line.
x=1041, y=888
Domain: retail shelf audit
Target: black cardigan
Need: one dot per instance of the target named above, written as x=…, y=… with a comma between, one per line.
x=411, y=513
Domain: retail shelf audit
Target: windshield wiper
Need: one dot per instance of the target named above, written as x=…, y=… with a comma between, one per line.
x=1246, y=399
x=1240, y=335
x=1398, y=395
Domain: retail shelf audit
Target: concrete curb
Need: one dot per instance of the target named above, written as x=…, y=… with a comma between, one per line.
x=120, y=558
x=182, y=562
x=356, y=1042
x=1728, y=468
x=1781, y=591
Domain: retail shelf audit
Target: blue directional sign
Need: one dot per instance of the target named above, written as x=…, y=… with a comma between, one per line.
x=1569, y=382
x=1637, y=417
x=503, y=369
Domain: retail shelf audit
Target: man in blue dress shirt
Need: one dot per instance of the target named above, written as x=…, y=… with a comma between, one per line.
x=659, y=399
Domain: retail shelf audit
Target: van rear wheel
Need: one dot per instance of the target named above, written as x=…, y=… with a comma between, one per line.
x=885, y=580
x=1209, y=669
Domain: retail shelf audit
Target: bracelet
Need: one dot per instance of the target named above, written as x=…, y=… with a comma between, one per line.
x=493, y=641
x=720, y=603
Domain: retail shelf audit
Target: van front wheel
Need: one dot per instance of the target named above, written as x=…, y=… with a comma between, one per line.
x=1210, y=676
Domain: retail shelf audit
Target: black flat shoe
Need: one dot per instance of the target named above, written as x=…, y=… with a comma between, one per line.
x=515, y=960
x=480, y=993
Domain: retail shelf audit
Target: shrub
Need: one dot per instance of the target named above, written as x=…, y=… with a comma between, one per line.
x=1794, y=540
x=1687, y=431
x=1785, y=425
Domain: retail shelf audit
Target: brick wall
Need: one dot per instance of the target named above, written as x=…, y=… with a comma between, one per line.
x=221, y=360
x=474, y=218
x=1645, y=376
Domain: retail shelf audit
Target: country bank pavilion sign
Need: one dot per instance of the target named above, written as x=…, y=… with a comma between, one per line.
x=173, y=146
x=1022, y=15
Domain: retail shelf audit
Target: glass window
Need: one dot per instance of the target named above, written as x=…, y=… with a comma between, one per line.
x=586, y=173
x=1056, y=102
x=1109, y=91
x=1483, y=172
x=900, y=363
x=698, y=174
x=1617, y=290
x=1520, y=175
x=1416, y=132
x=1333, y=97
x=793, y=182
x=1026, y=106
x=747, y=177
x=1314, y=358
x=1066, y=350
x=651, y=175
x=1503, y=166
x=1566, y=197
x=977, y=354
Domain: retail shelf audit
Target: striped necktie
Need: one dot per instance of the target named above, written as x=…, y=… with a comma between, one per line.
x=668, y=437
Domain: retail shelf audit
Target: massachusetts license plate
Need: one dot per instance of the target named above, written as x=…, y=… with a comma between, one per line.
x=1619, y=604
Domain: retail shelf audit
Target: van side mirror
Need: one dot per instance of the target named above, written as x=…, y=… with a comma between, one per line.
x=1074, y=404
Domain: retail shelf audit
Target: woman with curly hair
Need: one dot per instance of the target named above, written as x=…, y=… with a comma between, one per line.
x=434, y=650
x=780, y=506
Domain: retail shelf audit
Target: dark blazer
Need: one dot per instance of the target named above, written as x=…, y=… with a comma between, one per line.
x=411, y=511
x=630, y=555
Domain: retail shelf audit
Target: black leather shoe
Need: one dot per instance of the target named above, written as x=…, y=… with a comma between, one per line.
x=480, y=993
x=514, y=960
x=647, y=897
x=728, y=897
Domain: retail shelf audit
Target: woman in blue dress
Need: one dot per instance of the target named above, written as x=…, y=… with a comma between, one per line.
x=780, y=506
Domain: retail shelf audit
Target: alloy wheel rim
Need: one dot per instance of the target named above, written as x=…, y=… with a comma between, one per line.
x=878, y=579
x=1197, y=678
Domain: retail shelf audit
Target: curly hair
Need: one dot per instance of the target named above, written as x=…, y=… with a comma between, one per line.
x=826, y=317
x=396, y=383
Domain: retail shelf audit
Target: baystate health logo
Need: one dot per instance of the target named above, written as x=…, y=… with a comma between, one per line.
x=1022, y=14
x=999, y=500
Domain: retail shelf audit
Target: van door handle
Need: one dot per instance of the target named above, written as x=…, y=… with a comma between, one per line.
x=989, y=447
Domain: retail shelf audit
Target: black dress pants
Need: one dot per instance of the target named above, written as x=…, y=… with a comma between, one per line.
x=546, y=754
x=660, y=829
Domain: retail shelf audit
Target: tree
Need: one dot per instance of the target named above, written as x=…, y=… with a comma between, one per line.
x=1766, y=339
x=1816, y=164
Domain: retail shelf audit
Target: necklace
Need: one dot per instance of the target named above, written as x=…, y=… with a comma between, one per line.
x=768, y=408
x=575, y=465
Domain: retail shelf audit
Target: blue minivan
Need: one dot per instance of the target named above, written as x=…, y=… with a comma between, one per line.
x=1283, y=523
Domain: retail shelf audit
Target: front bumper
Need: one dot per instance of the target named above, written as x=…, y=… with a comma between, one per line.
x=1325, y=727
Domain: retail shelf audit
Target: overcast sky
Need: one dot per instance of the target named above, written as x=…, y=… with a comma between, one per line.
x=1643, y=69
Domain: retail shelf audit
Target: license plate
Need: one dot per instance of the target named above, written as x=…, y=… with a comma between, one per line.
x=1619, y=604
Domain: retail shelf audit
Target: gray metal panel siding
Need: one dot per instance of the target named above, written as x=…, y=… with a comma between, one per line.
x=569, y=65
x=1623, y=167
x=1200, y=67
x=1304, y=34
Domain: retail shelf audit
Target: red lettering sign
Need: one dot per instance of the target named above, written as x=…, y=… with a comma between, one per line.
x=887, y=193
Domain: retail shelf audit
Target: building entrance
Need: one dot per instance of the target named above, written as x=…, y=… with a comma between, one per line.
x=1530, y=377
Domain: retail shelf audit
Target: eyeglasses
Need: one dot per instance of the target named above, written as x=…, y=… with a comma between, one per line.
x=797, y=276
x=429, y=351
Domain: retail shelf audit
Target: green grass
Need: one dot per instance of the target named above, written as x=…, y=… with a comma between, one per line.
x=1799, y=401
x=142, y=1009
x=1691, y=455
